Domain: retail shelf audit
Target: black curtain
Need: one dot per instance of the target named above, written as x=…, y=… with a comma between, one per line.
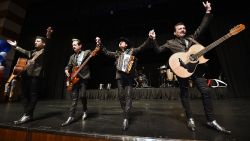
x=86, y=21
x=234, y=52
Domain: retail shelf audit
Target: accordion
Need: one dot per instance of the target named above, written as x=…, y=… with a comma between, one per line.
x=125, y=61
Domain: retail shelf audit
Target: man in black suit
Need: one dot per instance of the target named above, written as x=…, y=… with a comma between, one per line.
x=32, y=75
x=79, y=88
x=181, y=43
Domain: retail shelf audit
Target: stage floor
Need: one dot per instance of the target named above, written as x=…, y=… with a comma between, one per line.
x=151, y=119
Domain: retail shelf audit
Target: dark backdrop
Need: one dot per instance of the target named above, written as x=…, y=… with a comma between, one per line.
x=134, y=18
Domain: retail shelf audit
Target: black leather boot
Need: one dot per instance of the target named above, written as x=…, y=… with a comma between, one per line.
x=191, y=124
x=23, y=119
x=214, y=125
x=84, y=115
x=125, y=124
x=68, y=121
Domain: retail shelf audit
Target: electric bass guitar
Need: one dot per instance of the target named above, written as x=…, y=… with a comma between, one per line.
x=184, y=64
x=73, y=79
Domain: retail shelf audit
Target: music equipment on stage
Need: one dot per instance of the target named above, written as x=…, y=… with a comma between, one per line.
x=170, y=75
x=125, y=61
x=215, y=83
x=184, y=64
x=101, y=86
x=163, y=69
x=141, y=81
x=73, y=79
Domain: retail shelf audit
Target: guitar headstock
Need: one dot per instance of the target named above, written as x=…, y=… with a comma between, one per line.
x=94, y=52
x=237, y=29
x=49, y=32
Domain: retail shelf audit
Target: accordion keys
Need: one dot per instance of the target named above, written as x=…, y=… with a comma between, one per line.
x=125, y=62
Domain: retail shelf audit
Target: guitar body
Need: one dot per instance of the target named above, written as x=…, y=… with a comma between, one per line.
x=20, y=66
x=184, y=64
x=18, y=69
x=72, y=79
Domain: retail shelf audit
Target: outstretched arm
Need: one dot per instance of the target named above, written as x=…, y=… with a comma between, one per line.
x=14, y=44
x=205, y=21
x=150, y=39
x=104, y=50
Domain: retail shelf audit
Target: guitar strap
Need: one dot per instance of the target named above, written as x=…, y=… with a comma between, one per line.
x=193, y=40
x=36, y=54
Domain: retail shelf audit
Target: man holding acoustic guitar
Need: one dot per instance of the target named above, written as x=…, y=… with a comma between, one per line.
x=78, y=73
x=182, y=43
x=30, y=70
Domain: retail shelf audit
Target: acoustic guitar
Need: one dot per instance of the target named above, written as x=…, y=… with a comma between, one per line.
x=184, y=64
x=21, y=65
x=17, y=70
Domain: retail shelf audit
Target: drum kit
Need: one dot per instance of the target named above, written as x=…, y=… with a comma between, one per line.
x=167, y=77
x=141, y=80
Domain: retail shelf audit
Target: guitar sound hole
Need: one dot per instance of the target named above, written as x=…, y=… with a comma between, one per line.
x=192, y=57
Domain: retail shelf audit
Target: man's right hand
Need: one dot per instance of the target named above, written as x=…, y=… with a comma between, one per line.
x=12, y=43
x=67, y=73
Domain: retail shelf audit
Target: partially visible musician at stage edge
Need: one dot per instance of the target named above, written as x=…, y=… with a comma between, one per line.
x=31, y=74
x=125, y=71
x=78, y=90
x=181, y=43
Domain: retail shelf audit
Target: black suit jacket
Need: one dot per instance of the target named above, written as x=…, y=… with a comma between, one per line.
x=120, y=74
x=85, y=72
x=178, y=45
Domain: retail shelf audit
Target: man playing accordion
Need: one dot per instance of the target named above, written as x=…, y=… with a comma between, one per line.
x=125, y=71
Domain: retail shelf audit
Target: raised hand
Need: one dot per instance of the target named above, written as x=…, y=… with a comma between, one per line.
x=152, y=34
x=49, y=32
x=208, y=7
x=12, y=43
x=98, y=41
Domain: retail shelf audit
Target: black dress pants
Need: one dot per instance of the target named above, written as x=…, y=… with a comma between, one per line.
x=78, y=90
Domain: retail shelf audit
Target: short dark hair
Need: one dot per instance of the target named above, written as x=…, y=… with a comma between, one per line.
x=42, y=38
x=126, y=40
x=79, y=41
x=177, y=24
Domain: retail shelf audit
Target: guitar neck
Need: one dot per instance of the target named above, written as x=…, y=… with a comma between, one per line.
x=10, y=78
x=212, y=45
x=81, y=66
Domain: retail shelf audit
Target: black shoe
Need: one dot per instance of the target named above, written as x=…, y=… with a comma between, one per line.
x=84, y=115
x=125, y=124
x=68, y=121
x=191, y=124
x=23, y=119
x=213, y=124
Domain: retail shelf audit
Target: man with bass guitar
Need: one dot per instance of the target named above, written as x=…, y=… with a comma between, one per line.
x=78, y=73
